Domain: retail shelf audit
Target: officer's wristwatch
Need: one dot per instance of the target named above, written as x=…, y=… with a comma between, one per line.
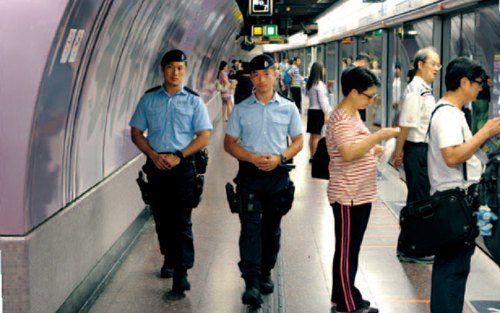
x=179, y=154
x=283, y=159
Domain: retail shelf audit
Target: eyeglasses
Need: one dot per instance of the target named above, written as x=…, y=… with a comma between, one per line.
x=480, y=82
x=436, y=65
x=370, y=97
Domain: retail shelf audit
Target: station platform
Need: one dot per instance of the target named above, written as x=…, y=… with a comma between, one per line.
x=303, y=272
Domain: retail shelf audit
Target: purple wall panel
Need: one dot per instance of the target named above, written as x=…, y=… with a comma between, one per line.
x=71, y=120
x=27, y=30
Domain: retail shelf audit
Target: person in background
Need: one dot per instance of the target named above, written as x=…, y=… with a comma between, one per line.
x=481, y=107
x=244, y=86
x=296, y=85
x=319, y=107
x=411, y=146
x=352, y=187
x=264, y=120
x=450, y=145
x=178, y=126
x=411, y=72
x=396, y=95
x=223, y=78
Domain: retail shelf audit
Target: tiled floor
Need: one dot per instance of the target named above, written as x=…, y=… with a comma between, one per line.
x=307, y=251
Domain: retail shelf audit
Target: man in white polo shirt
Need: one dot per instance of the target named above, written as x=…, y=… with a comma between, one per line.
x=411, y=147
x=451, y=144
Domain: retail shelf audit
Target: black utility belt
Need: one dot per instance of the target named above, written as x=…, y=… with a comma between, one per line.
x=415, y=144
x=250, y=170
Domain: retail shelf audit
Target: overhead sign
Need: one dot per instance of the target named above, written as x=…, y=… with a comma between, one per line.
x=257, y=30
x=260, y=7
x=264, y=30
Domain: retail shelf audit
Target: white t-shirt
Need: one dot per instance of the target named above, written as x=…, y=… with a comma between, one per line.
x=448, y=128
x=418, y=104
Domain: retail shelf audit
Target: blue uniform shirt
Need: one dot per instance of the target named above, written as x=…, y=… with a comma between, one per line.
x=264, y=126
x=172, y=122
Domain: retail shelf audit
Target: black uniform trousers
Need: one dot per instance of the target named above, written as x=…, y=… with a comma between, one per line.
x=260, y=232
x=297, y=97
x=350, y=226
x=417, y=175
x=169, y=190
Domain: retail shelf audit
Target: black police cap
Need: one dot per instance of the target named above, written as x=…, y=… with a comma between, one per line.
x=173, y=56
x=261, y=62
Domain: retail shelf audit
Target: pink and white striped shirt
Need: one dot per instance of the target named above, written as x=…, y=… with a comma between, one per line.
x=351, y=182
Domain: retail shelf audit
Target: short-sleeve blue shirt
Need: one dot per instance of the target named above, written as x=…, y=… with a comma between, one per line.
x=264, y=127
x=172, y=122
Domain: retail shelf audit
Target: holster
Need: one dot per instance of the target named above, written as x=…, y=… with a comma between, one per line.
x=190, y=195
x=201, y=161
x=282, y=203
x=243, y=201
x=144, y=187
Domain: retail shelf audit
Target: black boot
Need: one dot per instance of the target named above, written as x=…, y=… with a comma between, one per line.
x=181, y=282
x=252, y=295
x=266, y=284
x=166, y=271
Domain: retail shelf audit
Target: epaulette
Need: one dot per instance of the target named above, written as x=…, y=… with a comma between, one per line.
x=282, y=95
x=191, y=91
x=153, y=89
x=243, y=98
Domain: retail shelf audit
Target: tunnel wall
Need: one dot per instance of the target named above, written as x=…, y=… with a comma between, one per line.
x=65, y=146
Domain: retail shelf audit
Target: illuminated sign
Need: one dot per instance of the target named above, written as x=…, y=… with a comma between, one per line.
x=271, y=30
x=261, y=7
x=257, y=30
x=264, y=30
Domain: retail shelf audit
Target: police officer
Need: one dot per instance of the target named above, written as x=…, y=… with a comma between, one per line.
x=265, y=192
x=178, y=126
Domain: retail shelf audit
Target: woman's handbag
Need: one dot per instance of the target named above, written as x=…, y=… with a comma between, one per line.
x=441, y=222
x=320, y=161
x=221, y=87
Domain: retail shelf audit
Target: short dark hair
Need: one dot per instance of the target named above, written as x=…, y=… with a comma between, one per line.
x=358, y=78
x=291, y=61
x=462, y=67
x=297, y=58
x=422, y=55
x=363, y=56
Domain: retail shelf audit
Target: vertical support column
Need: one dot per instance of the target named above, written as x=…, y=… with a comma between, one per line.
x=385, y=79
x=338, y=73
x=1, y=296
x=437, y=40
x=445, y=50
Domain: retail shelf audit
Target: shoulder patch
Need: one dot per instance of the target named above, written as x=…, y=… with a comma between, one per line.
x=153, y=89
x=243, y=98
x=191, y=91
x=283, y=96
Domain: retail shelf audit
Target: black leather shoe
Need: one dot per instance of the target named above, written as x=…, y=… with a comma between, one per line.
x=266, y=285
x=166, y=272
x=181, y=282
x=252, y=295
x=417, y=260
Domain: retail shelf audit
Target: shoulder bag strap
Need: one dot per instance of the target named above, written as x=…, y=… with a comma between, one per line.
x=464, y=165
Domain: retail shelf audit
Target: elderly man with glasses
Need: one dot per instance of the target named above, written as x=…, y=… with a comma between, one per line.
x=411, y=147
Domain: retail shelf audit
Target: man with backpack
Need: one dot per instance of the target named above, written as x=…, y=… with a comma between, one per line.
x=287, y=78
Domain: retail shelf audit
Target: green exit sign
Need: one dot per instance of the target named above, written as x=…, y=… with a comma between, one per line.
x=271, y=30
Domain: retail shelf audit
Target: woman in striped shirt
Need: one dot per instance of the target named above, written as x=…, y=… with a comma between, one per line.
x=353, y=183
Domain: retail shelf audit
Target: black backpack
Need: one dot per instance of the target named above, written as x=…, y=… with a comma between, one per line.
x=489, y=194
x=320, y=161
